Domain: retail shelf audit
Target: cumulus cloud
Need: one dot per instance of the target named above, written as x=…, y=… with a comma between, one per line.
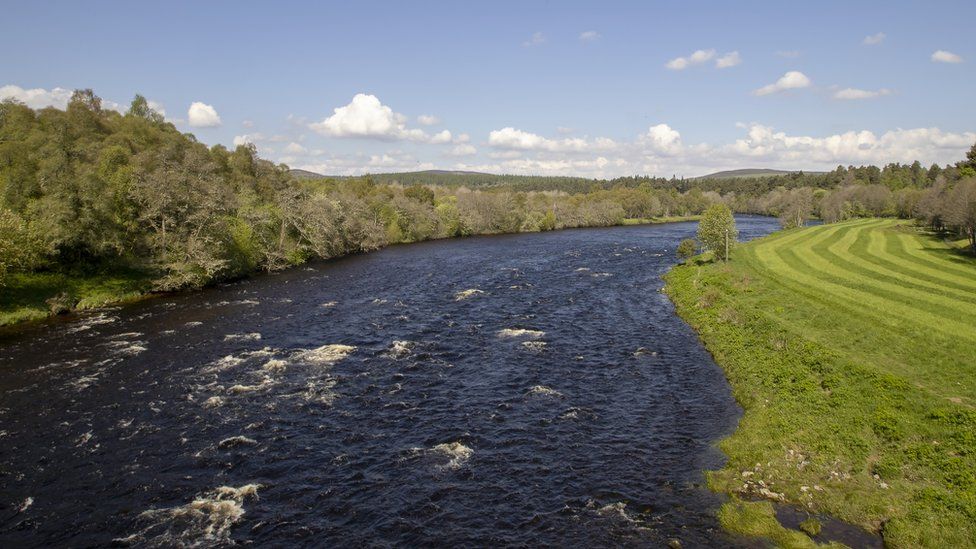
x=464, y=149
x=874, y=39
x=37, y=98
x=942, y=56
x=295, y=149
x=443, y=136
x=247, y=138
x=514, y=139
x=661, y=139
x=589, y=36
x=854, y=93
x=696, y=58
x=358, y=164
x=768, y=147
x=428, y=120
x=462, y=138
x=366, y=117
x=730, y=59
x=536, y=39
x=201, y=115
x=790, y=81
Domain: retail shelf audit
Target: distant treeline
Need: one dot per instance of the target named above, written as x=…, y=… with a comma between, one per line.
x=88, y=188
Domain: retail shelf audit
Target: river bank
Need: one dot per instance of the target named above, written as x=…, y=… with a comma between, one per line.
x=849, y=347
x=37, y=296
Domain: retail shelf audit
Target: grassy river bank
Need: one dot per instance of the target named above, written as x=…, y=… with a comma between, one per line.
x=850, y=347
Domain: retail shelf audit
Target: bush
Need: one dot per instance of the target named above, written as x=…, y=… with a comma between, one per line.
x=687, y=249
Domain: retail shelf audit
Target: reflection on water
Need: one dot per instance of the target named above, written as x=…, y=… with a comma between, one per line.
x=525, y=389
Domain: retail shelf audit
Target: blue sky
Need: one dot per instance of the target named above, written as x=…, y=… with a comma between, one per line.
x=571, y=88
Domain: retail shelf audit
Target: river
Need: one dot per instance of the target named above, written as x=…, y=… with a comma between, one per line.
x=532, y=389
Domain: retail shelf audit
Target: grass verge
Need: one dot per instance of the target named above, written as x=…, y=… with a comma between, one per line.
x=851, y=349
x=25, y=295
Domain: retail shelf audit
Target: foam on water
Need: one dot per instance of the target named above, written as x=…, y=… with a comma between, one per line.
x=400, y=349
x=545, y=391
x=214, y=402
x=456, y=452
x=253, y=336
x=275, y=365
x=534, y=346
x=205, y=521
x=25, y=505
x=520, y=332
x=240, y=388
x=325, y=355
x=465, y=294
x=239, y=440
x=328, y=304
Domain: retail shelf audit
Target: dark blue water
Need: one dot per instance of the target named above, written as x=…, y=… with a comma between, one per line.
x=361, y=402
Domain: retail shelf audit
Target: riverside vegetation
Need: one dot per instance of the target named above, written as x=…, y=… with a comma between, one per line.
x=98, y=206
x=850, y=347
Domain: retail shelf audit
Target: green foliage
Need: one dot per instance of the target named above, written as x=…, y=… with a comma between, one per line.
x=687, y=249
x=717, y=231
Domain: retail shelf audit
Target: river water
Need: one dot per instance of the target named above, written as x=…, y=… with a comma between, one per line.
x=371, y=400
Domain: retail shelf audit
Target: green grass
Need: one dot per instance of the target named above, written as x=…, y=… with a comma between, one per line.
x=852, y=349
x=24, y=295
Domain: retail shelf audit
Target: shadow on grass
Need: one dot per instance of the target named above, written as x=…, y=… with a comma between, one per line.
x=26, y=295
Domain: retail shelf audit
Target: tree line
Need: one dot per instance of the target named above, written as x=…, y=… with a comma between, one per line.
x=88, y=189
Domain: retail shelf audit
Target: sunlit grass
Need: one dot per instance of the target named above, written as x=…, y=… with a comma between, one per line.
x=25, y=295
x=851, y=348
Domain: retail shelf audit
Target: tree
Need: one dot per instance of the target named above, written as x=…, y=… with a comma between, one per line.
x=960, y=209
x=967, y=167
x=717, y=231
x=687, y=249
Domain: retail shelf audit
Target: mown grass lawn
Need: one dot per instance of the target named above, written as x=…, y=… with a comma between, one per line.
x=852, y=349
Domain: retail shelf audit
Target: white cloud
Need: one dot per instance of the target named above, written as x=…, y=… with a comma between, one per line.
x=295, y=149
x=942, y=56
x=37, y=98
x=440, y=137
x=661, y=139
x=854, y=93
x=681, y=63
x=366, y=116
x=247, y=124
x=251, y=138
x=874, y=39
x=201, y=115
x=789, y=81
x=428, y=120
x=464, y=150
x=730, y=59
x=536, y=39
x=156, y=106
x=565, y=130
x=513, y=139
x=764, y=145
x=462, y=138
x=589, y=36
x=661, y=151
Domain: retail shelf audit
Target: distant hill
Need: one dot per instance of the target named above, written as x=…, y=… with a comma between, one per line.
x=751, y=172
x=305, y=174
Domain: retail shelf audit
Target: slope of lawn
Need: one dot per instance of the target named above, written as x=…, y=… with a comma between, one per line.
x=852, y=349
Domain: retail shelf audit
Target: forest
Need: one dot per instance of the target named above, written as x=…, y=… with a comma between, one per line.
x=88, y=189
